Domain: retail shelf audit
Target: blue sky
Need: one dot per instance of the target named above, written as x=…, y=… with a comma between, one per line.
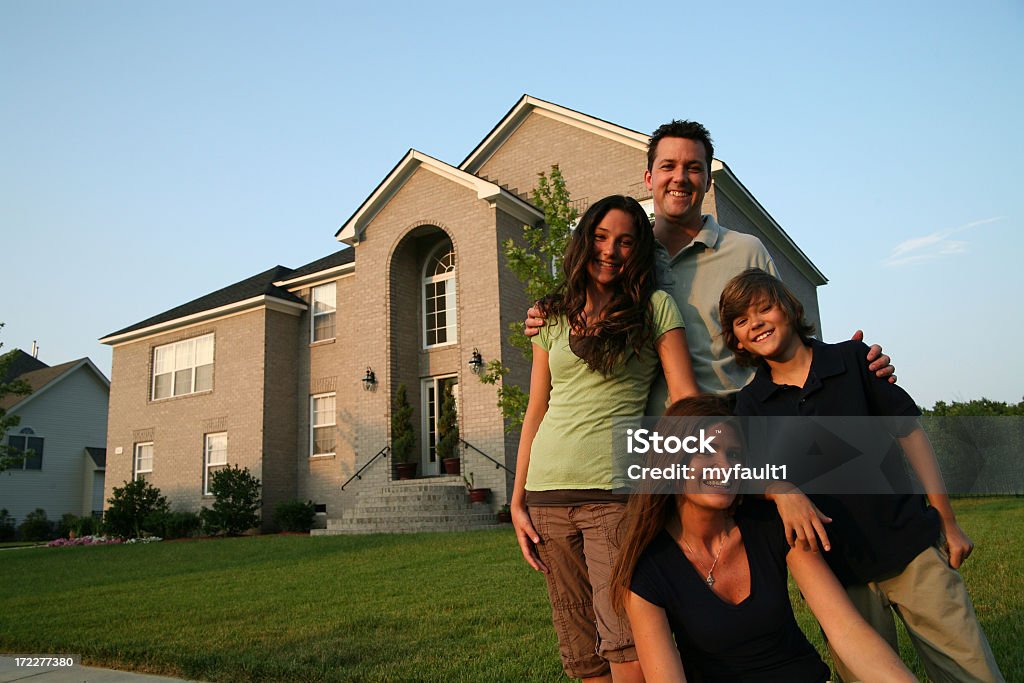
x=153, y=152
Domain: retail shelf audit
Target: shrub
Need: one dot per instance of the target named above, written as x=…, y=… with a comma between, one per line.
x=130, y=508
x=238, y=502
x=294, y=515
x=177, y=524
x=8, y=530
x=87, y=526
x=403, y=437
x=36, y=527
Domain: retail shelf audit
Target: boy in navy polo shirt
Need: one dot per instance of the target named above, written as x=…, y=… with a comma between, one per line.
x=889, y=552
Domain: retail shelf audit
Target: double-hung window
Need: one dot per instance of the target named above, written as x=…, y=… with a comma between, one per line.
x=439, y=312
x=322, y=425
x=184, y=367
x=28, y=448
x=324, y=308
x=143, y=460
x=215, y=457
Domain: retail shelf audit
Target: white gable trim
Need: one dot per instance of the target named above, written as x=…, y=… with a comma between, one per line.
x=352, y=231
x=728, y=184
x=319, y=276
x=529, y=105
x=84, y=363
x=263, y=300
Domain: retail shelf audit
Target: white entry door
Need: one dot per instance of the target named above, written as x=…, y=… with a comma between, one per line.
x=432, y=390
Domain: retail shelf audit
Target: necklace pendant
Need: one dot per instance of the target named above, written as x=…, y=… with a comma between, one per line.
x=710, y=581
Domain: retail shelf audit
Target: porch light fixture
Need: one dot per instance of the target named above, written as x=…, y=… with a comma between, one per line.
x=369, y=380
x=476, y=363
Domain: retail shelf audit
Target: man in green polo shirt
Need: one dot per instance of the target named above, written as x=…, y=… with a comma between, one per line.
x=697, y=256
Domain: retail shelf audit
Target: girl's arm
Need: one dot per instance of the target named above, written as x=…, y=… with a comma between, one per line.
x=675, y=361
x=540, y=393
x=919, y=452
x=655, y=647
x=856, y=643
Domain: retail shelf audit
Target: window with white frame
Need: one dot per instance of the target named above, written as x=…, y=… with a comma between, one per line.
x=324, y=307
x=321, y=425
x=439, y=312
x=184, y=367
x=27, y=449
x=143, y=460
x=215, y=457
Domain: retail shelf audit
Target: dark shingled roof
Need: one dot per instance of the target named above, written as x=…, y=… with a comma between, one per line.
x=21, y=363
x=37, y=379
x=240, y=291
x=338, y=258
x=98, y=455
x=246, y=289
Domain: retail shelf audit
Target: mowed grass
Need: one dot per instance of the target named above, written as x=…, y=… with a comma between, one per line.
x=426, y=607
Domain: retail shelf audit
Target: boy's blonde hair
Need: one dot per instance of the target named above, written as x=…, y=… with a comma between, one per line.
x=754, y=286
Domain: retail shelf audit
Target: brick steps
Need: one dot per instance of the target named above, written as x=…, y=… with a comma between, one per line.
x=437, y=504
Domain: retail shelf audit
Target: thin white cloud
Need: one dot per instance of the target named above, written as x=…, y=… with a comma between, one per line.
x=933, y=246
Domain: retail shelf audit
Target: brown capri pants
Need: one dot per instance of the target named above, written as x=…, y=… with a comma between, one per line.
x=579, y=545
x=931, y=599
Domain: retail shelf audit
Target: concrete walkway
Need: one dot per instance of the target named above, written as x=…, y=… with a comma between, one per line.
x=10, y=671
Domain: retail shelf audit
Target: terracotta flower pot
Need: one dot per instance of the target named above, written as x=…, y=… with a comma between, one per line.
x=479, y=495
x=452, y=466
x=406, y=470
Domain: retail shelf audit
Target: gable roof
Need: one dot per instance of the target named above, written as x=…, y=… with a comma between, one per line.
x=20, y=363
x=352, y=231
x=98, y=455
x=43, y=379
x=528, y=105
x=339, y=262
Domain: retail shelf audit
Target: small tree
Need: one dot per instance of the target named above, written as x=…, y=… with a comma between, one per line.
x=237, y=507
x=403, y=438
x=448, y=427
x=537, y=262
x=132, y=507
x=18, y=387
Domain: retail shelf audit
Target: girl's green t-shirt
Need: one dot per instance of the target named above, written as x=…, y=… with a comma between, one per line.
x=573, y=446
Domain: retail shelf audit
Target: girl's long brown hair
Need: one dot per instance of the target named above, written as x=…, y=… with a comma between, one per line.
x=648, y=513
x=625, y=323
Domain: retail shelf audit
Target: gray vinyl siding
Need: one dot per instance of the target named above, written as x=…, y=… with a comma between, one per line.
x=69, y=415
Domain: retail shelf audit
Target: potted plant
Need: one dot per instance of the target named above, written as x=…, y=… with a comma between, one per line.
x=403, y=438
x=505, y=514
x=476, y=495
x=448, y=434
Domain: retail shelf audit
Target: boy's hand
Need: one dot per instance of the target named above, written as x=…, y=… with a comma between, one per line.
x=958, y=544
x=878, y=362
x=534, y=320
x=803, y=521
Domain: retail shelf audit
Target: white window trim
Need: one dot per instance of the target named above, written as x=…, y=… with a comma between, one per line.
x=452, y=314
x=426, y=384
x=135, y=460
x=206, y=459
x=313, y=426
x=172, y=349
x=314, y=315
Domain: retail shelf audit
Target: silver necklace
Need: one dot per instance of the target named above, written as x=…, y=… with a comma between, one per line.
x=709, y=579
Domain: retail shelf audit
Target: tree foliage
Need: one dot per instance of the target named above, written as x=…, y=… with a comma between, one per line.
x=537, y=261
x=18, y=387
x=448, y=426
x=982, y=407
x=237, y=508
x=403, y=437
x=133, y=508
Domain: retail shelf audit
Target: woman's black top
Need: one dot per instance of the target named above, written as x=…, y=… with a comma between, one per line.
x=756, y=640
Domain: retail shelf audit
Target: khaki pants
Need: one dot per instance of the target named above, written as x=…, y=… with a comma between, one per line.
x=931, y=599
x=579, y=545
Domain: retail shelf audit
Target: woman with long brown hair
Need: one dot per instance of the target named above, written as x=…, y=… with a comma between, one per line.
x=608, y=329
x=704, y=579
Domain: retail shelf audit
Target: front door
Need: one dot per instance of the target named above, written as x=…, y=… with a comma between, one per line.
x=432, y=389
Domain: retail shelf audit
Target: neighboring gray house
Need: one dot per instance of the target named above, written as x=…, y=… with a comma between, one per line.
x=64, y=424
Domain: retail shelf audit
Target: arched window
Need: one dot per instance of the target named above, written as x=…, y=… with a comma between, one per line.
x=439, y=312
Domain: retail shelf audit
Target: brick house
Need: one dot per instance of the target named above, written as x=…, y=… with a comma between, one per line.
x=268, y=373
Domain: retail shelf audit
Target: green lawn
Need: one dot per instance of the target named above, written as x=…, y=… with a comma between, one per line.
x=437, y=607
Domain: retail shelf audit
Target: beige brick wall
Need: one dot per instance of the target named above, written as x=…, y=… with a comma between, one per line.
x=593, y=166
x=281, y=344
x=177, y=426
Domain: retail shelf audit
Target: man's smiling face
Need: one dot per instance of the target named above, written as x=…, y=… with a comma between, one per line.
x=678, y=180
